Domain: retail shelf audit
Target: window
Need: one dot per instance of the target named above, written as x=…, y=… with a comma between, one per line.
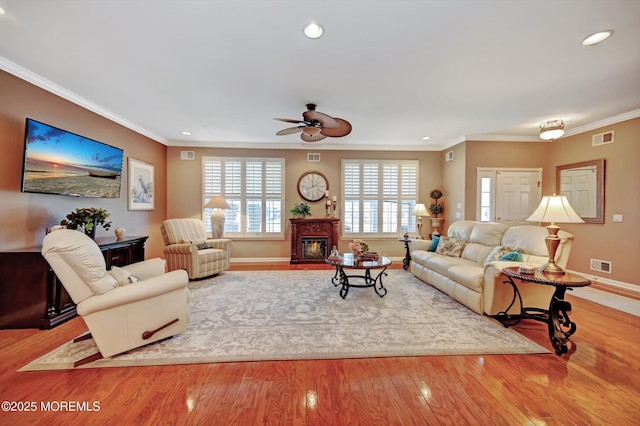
x=379, y=196
x=254, y=189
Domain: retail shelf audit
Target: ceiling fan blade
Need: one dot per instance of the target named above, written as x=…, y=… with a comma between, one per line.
x=343, y=129
x=324, y=119
x=290, y=130
x=289, y=120
x=313, y=138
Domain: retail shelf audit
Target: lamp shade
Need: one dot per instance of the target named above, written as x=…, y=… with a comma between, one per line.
x=420, y=210
x=555, y=209
x=550, y=130
x=217, y=202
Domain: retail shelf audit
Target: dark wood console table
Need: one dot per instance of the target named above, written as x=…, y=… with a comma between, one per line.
x=31, y=296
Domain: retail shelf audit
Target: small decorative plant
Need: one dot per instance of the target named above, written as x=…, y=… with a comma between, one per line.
x=436, y=208
x=301, y=210
x=87, y=218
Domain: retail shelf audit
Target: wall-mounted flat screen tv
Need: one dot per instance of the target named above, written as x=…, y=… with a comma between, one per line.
x=63, y=163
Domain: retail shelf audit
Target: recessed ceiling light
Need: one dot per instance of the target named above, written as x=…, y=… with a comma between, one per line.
x=426, y=138
x=186, y=133
x=313, y=30
x=597, y=38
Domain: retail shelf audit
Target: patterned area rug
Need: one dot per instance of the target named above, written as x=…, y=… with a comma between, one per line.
x=285, y=315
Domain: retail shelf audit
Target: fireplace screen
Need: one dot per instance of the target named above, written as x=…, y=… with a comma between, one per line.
x=314, y=247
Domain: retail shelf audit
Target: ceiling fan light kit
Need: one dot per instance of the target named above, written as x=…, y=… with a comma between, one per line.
x=316, y=126
x=552, y=129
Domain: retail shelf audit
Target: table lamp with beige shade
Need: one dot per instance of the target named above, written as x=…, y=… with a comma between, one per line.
x=554, y=209
x=218, y=204
x=420, y=211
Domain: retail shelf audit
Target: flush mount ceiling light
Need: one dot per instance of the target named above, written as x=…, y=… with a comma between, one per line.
x=597, y=37
x=552, y=129
x=313, y=30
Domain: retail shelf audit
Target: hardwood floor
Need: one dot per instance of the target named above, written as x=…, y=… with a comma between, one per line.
x=595, y=384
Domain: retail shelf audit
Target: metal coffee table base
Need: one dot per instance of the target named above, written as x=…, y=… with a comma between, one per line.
x=341, y=278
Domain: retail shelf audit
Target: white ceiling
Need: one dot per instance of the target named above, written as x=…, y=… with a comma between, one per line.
x=397, y=70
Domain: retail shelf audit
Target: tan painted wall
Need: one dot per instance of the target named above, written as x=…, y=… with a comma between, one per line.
x=185, y=189
x=24, y=217
x=615, y=242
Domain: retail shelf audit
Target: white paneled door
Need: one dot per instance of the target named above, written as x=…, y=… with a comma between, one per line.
x=517, y=194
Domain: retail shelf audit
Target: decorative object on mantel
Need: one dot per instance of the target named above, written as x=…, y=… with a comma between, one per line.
x=554, y=209
x=89, y=219
x=358, y=247
x=218, y=204
x=120, y=233
x=436, y=209
x=301, y=210
x=420, y=211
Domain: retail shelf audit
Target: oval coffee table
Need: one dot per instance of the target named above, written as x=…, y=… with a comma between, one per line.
x=347, y=261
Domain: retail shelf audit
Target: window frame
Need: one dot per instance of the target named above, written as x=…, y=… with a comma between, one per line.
x=239, y=195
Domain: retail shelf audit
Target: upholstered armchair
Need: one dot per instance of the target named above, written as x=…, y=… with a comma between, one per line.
x=188, y=247
x=124, y=308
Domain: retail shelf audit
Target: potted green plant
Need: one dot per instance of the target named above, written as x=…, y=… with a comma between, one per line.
x=301, y=210
x=435, y=209
x=87, y=218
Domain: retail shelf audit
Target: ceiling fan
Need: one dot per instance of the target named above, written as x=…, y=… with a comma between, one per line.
x=316, y=126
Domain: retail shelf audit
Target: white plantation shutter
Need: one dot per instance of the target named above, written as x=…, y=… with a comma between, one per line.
x=379, y=196
x=253, y=187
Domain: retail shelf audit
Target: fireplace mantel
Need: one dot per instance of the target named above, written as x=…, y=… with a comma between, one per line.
x=305, y=228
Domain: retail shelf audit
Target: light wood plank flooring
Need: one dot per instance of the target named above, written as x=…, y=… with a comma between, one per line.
x=597, y=383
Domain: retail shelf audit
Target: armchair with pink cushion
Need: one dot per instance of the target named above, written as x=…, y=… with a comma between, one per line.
x=124, y=308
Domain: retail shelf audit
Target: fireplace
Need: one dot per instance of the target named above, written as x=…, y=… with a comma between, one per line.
x=314, y=248
x=313, y=239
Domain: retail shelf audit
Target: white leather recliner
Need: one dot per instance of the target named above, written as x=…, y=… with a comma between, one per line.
x=124, y=308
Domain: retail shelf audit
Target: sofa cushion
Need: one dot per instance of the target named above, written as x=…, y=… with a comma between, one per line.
x=476, y=252
x=469, y=274
x=441, y=264
x=450, y=246
x=489, y=234
x=529, y=239
x=461, y=229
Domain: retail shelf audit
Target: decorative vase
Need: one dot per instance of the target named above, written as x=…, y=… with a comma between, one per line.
x=120, y=233
x=91, y=233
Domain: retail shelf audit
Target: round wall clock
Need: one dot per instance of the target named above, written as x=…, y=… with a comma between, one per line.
x=312, y=186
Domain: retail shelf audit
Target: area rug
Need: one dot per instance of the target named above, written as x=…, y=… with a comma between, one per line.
x=292, y=315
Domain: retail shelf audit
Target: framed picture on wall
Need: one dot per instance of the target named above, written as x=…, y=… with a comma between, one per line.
x=141, y=185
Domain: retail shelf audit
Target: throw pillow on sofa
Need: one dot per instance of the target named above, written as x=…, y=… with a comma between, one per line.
x=434, y=243
x=496, y=253
x=450, y=246
x=512, y=256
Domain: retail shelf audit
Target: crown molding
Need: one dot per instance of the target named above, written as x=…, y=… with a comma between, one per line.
x=49, y=86
x=604, y=122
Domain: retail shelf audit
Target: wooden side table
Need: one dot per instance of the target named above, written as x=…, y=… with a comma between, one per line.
x=407, y=257
x=556, y=317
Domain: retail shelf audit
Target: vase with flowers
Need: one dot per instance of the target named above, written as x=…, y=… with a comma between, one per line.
x=358, y=247
x=87, y=218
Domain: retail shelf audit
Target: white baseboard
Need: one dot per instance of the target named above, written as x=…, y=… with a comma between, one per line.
x=632, y=288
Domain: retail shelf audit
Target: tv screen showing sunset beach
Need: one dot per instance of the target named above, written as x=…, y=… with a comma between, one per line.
x=60, y=162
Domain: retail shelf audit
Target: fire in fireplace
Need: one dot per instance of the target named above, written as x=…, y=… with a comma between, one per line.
x=314, y=247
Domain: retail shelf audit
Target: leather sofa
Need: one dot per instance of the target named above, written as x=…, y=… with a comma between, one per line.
x=478, y=282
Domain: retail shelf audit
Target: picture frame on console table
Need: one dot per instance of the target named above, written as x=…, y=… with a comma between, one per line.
x=141, y=193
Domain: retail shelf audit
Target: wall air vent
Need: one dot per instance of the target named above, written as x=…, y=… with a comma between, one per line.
x=448, y=156
x=187, y=155
x=313, y=157
x=600, y=265
x=602, y=138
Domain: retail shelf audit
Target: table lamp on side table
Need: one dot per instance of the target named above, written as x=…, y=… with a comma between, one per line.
x=555, y=209
x=420, y=211
x=218, y=204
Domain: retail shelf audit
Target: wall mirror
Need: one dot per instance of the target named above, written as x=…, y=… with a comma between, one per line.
x=583, y=185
